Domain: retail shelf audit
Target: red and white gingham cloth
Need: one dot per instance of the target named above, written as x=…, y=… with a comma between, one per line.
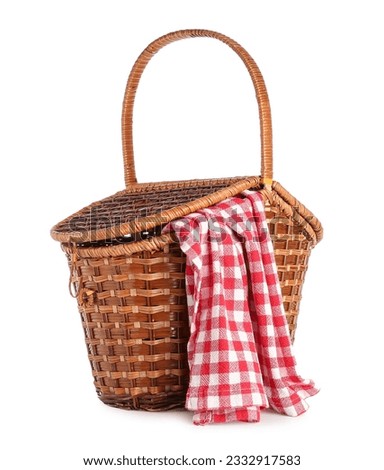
x=239, y=350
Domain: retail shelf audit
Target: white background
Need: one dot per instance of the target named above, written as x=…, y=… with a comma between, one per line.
x=63, y=66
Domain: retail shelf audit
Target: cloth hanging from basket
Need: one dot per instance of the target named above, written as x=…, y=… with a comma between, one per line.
x=239, y=350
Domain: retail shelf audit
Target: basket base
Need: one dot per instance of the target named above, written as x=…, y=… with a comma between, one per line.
x=159, y=402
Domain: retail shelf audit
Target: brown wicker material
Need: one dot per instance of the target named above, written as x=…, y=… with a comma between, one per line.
x=128, y=278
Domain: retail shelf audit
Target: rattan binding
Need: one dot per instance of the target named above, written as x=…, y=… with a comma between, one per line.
x=128, y=277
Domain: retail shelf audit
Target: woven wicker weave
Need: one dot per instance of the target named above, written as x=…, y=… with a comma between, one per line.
x=128, y=278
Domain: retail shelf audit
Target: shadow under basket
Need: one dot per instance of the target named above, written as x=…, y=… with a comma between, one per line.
x=129, y=278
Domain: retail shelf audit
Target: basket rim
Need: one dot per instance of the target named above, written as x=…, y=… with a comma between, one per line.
x=276, y=196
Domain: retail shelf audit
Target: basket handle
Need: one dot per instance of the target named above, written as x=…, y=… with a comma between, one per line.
x=133, y=82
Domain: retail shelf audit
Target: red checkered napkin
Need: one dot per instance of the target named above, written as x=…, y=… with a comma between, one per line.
x=239, y=351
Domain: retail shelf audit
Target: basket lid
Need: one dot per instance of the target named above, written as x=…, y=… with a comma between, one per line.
x=142, y=207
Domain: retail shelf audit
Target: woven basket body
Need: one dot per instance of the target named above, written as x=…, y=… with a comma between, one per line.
x=128, y=278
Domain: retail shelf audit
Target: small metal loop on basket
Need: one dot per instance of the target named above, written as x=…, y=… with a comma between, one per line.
x=73, y=291
x=73, y=285
x=267, y=183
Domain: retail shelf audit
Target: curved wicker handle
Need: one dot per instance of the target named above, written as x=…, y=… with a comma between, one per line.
x=133, y=82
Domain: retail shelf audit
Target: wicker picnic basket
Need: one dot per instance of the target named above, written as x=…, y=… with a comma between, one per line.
x=128, y=277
